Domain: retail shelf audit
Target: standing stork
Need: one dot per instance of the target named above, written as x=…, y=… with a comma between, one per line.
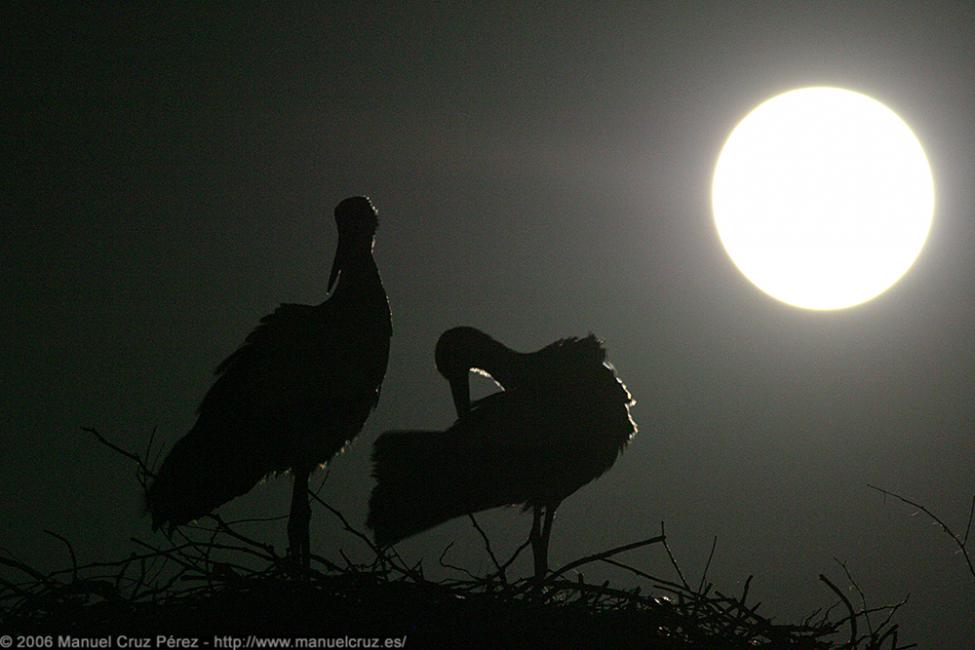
x=296, y=392
x=560, y=422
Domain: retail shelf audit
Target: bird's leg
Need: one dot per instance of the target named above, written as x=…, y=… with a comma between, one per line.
x=298, y=521
x=547, y=533
x=538, y=551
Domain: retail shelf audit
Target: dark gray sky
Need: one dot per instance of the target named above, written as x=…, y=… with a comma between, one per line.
x=540, y=171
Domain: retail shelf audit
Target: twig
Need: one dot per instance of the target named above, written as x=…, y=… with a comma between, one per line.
x=461, y=569
x=968, y=527
x=642, y=574
x=168, y=553
x=225, y=528
x=605, y=554
x=128, y=454
x=345, y=522
x=514, y=556
x=152, y=438
x=863, y=598
x=74, y=558
x=893, y=609
x=849, y=608
x=380, y=554
x=673, y=560
x=26, y=569
x=958, y=542
x=704, y=576
x=487, y=546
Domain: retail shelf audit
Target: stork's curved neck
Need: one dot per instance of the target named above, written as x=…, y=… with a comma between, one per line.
x=505, y=366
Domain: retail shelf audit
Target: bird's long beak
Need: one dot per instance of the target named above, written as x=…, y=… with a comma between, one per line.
x=341, y=252
x=460, y=388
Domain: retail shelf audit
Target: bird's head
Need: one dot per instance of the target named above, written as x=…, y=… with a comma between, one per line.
x=460, y=350
x=357, y=220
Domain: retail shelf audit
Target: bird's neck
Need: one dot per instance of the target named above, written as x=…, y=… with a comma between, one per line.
x=358, y=272
x=505, y=366
x=361, y=293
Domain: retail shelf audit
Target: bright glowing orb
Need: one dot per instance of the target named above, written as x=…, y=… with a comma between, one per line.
x=823, y=197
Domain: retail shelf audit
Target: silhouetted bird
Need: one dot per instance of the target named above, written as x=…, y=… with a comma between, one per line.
x=560, y=422
x=295, y=393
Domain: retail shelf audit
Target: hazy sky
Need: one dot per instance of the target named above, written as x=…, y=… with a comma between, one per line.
x=541, y=170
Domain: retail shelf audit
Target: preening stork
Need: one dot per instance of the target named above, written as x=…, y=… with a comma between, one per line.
x=296, y=392
x=560, y=422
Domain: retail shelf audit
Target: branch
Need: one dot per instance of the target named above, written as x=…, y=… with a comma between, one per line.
x=605, y=554
x=461, y=569
x=40, y=577
x=345, y=522
x=673, y=560
x=144, y=470
x=863, y=599
x=968, y=528
x=74, y=558
x=380, y=553
x=490, y=551
x=643, y=574
x=960, y=543
x=514, y=556
x=849, y=608
x=704, y=576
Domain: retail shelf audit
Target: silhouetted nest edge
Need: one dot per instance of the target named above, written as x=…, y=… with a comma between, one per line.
x=211, y=579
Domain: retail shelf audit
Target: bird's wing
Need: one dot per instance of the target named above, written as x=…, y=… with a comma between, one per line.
x=499, y=454
x=521, y=446
x=297, y=353
x=284, y=382
x=276, y=330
